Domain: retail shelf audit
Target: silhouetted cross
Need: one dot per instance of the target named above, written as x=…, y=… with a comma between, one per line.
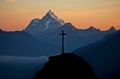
x=62, y=34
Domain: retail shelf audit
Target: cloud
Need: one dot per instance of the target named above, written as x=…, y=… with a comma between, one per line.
x=12, y=1
x=15, y=59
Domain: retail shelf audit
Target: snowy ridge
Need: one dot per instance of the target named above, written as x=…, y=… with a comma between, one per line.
x=52, y=14
x=36, y=20
x=47, y=25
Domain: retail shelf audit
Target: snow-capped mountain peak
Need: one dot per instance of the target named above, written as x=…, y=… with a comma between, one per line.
x=51, y=15
x=48, y=23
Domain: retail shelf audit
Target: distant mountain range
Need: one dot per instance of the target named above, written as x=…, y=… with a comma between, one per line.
x=104, y=56
x=23, y=44
x=41, y=37
x=49, y=27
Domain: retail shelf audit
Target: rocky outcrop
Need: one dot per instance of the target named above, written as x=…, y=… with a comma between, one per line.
x=66, y=66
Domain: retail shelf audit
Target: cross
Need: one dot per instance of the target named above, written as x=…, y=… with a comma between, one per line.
x=62, y=34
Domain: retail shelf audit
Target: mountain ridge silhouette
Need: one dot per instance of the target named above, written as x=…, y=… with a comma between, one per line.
x=104, y=56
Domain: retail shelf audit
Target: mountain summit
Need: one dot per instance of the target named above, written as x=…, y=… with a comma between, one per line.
x=51, y=15
x=48, y=23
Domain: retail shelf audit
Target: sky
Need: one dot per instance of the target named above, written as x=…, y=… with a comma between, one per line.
x=102, y=14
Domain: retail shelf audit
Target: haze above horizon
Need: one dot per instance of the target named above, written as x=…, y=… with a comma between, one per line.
x=102, y=14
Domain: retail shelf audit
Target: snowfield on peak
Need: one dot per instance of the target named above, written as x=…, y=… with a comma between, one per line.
x=52, y=14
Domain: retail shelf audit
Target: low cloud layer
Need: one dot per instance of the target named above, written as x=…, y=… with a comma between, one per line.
x=14, y=59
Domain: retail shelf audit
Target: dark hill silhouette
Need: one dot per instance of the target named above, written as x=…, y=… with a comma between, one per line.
x=67, y=66
x=104, y=56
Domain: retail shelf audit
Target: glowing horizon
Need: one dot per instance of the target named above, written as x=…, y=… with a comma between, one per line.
x=17, y=14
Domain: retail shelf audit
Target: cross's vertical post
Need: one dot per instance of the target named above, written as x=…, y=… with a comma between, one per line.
x=63, y=34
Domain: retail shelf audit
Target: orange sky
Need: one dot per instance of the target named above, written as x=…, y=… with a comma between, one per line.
x=17, y=14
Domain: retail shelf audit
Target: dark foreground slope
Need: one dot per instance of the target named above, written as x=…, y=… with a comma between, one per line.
x=69, y=66
x=104, y=56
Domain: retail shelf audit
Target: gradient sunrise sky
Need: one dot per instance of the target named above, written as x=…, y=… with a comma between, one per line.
x=17, y=14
